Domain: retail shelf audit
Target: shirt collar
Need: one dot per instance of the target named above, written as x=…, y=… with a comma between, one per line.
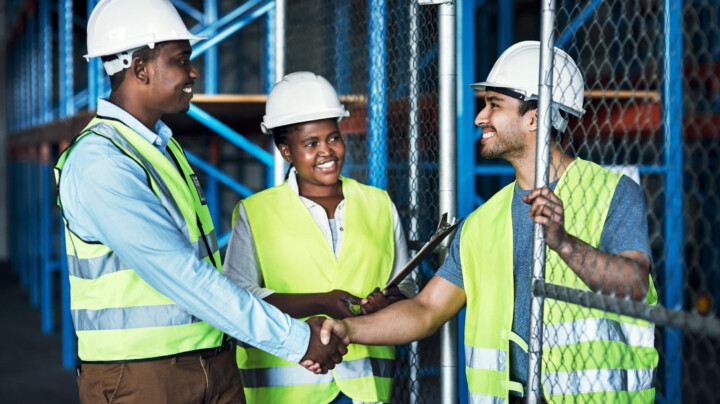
x=293, y=184
x=159, y=138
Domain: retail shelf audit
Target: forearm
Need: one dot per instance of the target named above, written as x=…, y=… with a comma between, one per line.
x=608, y=273
x=399, y=323
x=299, y=305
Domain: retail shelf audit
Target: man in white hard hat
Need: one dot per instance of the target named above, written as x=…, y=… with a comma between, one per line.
x=588, y=355
x=151, y=309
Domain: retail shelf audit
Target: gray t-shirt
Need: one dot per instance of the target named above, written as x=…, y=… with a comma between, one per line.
x=625, y=229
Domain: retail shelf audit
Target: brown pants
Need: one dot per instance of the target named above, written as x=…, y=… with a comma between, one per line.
x=191, y=379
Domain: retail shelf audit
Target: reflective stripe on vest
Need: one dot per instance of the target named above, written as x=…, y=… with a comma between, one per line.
x=95, y=267
x=477, y=398
x=597, y=380
x=574, y=338
x=117, y=315
x=486, y=358
x=295, y=257
x=597, y=329
x=292, y=375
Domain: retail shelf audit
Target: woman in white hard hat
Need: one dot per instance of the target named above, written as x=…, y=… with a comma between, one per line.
x=316, y=245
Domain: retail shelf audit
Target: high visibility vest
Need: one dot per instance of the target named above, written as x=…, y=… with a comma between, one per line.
x=118, y=316
x=295, y=257
x=588, y=355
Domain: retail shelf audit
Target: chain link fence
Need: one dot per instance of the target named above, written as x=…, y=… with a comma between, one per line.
x=650, y=72
x=381, y=56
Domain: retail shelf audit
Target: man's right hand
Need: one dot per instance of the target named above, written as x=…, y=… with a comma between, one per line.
x=321, y=356
x=334, y=329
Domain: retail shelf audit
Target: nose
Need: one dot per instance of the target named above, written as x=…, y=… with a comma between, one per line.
x=193, y=71
x=482, y=116
x=324, y=148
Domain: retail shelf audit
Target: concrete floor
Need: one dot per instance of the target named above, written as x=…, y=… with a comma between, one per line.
x=30, y=362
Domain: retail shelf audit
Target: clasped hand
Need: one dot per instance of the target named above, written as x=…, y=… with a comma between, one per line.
x=322, y=355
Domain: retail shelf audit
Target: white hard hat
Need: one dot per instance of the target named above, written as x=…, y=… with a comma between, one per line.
x=118, y=27
x=518, y=70
x=301, y=97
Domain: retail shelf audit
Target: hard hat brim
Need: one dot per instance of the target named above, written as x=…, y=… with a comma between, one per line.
x=140, y=44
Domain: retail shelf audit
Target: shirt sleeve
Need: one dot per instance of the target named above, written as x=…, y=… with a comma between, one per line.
x=407, y=286
x=241, y=258
x=106, y=198
x=626, y=225
x=451, y=269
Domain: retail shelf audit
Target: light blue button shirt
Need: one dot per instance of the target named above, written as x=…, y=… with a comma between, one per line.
x=106, y=198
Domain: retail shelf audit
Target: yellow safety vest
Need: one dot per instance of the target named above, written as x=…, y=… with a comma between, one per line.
x=295, y=257
x=588, y=355
x=118, y=316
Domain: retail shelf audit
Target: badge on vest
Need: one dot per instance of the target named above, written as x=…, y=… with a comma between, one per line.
x=198, y=189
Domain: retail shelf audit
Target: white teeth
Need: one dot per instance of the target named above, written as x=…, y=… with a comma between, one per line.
x=326, y=165
x=188, y=90
x=488, y=135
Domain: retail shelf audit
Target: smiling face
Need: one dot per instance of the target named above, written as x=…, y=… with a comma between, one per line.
x=506, y=133
x=317, y=151
x=172, y=78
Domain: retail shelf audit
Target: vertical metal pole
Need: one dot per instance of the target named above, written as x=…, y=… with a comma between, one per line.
x=34, y=227
x=211, y=55
x=270, y=33
x=93, y=67
x=46, y=289
x=465, y=147
x=674, y=278
x=213, y=191
x=279, y=163
x=413, y=170
x=68, y=333
x=448, y=177
x=506, y=24
x=47, y=71
x=342, y=46
x=542, y=163
x=34, y=68
x=65, y=11
x=377, y=107
x=211, y=87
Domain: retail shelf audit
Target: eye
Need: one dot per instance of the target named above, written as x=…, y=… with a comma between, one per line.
x=493, y=105
x=310, y=144
x=335, y=138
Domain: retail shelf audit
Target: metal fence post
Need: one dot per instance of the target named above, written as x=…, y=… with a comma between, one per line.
x=448, y=176
x=542, y=163
x=673, y=226
x=279, y=162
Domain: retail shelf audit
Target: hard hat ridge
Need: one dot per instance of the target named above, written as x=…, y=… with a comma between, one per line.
x=124, y=26
x=301, y=97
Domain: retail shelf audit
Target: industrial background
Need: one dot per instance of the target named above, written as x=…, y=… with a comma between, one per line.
x=402, y=67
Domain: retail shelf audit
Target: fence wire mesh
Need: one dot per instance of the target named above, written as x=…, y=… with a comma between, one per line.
x=381, y=56
x=651, y=114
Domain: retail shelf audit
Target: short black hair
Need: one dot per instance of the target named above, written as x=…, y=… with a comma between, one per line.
x=280, y=133
x=146, y=53
x=529, y=105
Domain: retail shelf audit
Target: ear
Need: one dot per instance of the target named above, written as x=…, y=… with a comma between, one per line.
x=531, y=117
x=140, y=70
x=285, y=152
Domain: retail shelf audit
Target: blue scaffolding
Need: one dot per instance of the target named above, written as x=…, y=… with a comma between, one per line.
x=31, y=76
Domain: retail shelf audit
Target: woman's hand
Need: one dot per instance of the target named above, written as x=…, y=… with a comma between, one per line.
x=338, y=304
x=378, y=300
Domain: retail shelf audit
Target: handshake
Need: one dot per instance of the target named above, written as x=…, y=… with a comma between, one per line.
x=329, y=338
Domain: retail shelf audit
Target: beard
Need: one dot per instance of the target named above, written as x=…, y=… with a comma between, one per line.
x=504, y=146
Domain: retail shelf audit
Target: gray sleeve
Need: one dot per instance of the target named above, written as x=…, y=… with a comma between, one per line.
x=451, y=269
x=626, y=225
